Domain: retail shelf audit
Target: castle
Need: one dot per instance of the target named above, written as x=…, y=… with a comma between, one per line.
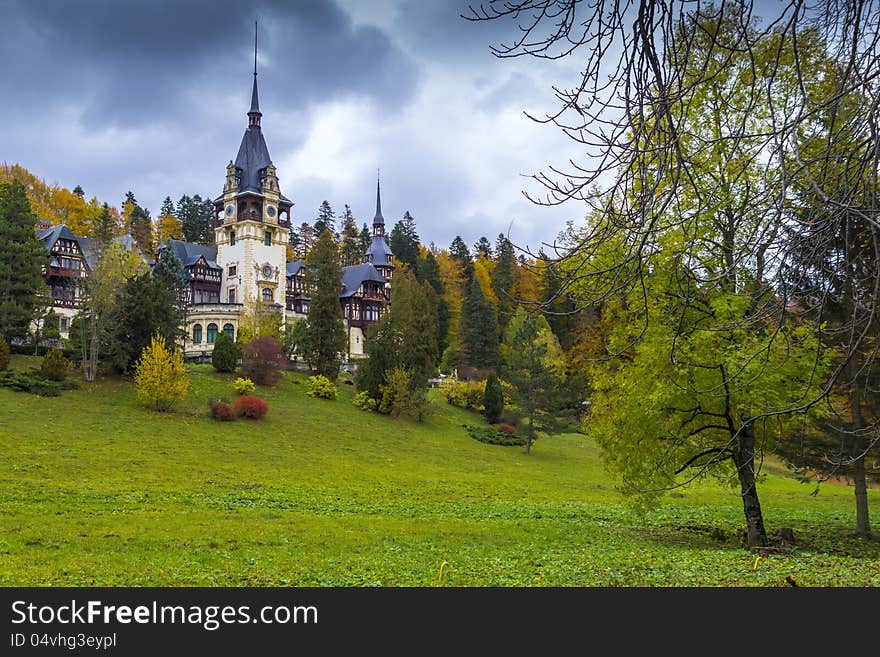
x=248, y=262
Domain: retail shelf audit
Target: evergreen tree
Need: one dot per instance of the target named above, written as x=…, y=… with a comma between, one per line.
x=560, y=310
x=503, y=279
x=305, y=240
x=79, y=191
x=145, y=306
x=366, y=240
x=141, y=228
x=404, y=240
x=22, y=258
x=170, y=272
x=326, y=220
x=105, y=227
x=325, y=327
x=459, y=251
x=427, y=270
x=167, y=207
x=493, y=399
x=381, y=351
x=483, y=248
x=351, y=242
x=413, y=316
x=197, y=219
x=226, y=353
x=479, y=329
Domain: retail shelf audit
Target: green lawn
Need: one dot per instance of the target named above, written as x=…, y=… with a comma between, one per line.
x=95, y=490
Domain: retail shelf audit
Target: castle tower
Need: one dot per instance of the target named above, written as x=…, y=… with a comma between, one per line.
x=379, y=253
x=252, y=219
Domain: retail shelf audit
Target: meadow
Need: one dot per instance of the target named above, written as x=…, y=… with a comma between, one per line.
x=97, y=491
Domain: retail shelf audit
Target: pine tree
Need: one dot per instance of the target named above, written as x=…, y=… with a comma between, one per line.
x=305, y=240
x=167, y=207
x=22, y=258
x=366, y=240
x=79, y=191
x=483, y=248
x=458, y=250
x=169, y=271
x=503, y=278
x=493, y=399
x=105, y=227
x=197, y=219
x=404, y=240
x=326, y=220
x=226, y=353
x=325, y=327
x=427, y=270
x=351, y=244
x=479, y=330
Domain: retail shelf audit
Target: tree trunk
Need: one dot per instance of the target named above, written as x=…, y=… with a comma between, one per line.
x=857, y=450
x=744, y=458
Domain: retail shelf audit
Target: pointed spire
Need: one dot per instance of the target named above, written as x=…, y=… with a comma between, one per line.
x=254, y=113
x=378, y=219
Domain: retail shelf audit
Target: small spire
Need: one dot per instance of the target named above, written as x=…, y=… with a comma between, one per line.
x=254, y=113
x=378, y=219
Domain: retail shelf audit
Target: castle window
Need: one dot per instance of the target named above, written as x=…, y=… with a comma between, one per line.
x=229, y=330
x=231, y=238
x=232, y=295
x=267, y=238
x=197, y=334
x=232, y=270
x=267, y=295
x=212, y=333
x=63, y=324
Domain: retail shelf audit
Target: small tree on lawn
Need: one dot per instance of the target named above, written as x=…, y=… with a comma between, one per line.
x=493, y=400
x=4, y=354
x=54, y=365
x=226, y=353
x=263, y=360
x=160, y=376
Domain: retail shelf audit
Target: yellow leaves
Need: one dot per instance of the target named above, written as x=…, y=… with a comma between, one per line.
x=168, y=227
x=160, y=376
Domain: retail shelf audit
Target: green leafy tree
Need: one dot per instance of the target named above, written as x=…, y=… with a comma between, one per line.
x=427, y=270
x=493, y=400
x=479, y=330
x=296, y=338
x=45, y=325
x=459, y=251
x=226, y=353
x=22, y=259
x=197, y=218
x=325, y=330
x=160, y=376
x=531, y=366
x=54, y=365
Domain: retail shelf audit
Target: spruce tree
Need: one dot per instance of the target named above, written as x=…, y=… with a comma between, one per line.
x=351, y=242
x=479, y=330
x=502, y=279
x=366, y=239
x=427, y=270
x=105, y=228
x=459, y=251
x=493, y=399
x=22, y=258
x=404, y=240
x=226, y=353
x=326, y=220
x=325, y=327
x=483, y=248
x=170, y=272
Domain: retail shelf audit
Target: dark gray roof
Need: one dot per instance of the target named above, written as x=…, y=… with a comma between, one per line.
x=378, y=219
x=51, y=235
x=378, y=251
x=190, y=252
x=253, y=156
x=294, y=267
x=353, y=276
x=255, y=101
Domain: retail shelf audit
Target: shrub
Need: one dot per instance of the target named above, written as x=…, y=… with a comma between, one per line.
x=491, y=436
x=466, y=394
x=160, y=376
x=321, y=386
x=29, y=382
x=262, y=361
x=4, y=354
x=509, y=429
x=250, y=406
x=399, y=397
x=364, y=402
x=226, y=353
x=493, y=399
x=54, y=366
x=221, y=410
x=244, y=386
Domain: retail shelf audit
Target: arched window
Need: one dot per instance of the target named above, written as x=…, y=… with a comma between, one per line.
x=267, y=295
x=212, y=333
x=197, y=334
x=229, y=330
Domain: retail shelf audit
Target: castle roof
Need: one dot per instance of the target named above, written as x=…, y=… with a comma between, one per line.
x=355, y=275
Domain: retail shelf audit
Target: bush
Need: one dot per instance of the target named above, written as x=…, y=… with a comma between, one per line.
x=221, y=410
x=466, y=394
x=160, y=376
x=29, y=382
x=262, y=361
x=226, y=353
x=509, y=429
x=491, y=436
x=364, y=402
x=400, y=398
x=250, y=406
x=244, y=386
x=321, y=386
x=54, y=366
x=493, y=399
x=4, y=354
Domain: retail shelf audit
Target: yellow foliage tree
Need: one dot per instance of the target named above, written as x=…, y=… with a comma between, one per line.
x=452, y=278
x=160, y=376
x=168, y=226
x=483, y=268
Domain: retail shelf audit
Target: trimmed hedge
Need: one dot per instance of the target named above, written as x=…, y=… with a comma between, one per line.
x=491, y=436
x=250, y=406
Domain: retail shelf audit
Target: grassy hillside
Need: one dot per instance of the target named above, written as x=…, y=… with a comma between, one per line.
x=95, y=490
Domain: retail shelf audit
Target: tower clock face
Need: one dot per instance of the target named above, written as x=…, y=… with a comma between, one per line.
x=229, y=210
x=270, y=210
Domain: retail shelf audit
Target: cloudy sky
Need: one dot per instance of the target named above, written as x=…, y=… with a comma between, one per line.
x=151, y=96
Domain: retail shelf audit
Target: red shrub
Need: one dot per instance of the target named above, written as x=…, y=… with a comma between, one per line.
x=222, y=411
x=509, y=429
x=262, y=361
x=250, y=406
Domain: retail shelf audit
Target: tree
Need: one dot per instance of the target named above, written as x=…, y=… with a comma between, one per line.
x=296, y=338
x=502, y=279
x=366, y=239
x=483, y=248
x=45, y=324
x=530, y=365
x=325, y=328
x=168, y=226
x=138, y=223
x=326, y=220
x=304, y=240
x=260, y=320
x=427, y=270
x=79, y=191
x=226, y=353
x=4, y=354
x=197, y=219
x=22, y=258
x=493, y=399
x=54, y=365
x=404, y=240
x=106, y=226
x=458, y=250
x=380, y=349
x=350, y=248
x=160, y=376
x=479, y=330
x=169, y=271
x=263, y=361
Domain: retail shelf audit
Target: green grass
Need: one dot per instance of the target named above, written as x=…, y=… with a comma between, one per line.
x=95, y=490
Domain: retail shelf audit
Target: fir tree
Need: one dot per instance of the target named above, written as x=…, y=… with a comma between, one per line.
x=105, y=227
x=305, y=240
x=493, y=399
x=197, y=218
x=479, y=330
x=404, y=240
x=483, y=248
x=170, y=272
x=351, y=243
x=427, y=270
x=326, y=220
x=459, y=251
x=502, y=279
x=366, y=240
x=325, y=327
x=167, y=207
x=79, y=191
x=22, y=258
